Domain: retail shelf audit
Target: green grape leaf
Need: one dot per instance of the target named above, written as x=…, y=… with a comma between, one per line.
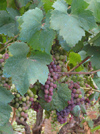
x=48, y=4
x=8, y=24
x=97, y=82
x=22, y=3
x=3, y=4
x=6, y=129
x=95, y=40
x=26, y=70
x=74, y=59
x=69, y=1
x=95, y=128
x=90, y=123
x=94, y=6
x=5, y=109
x=59, y=99
x=71, y=26
x=38, y=35
x=83, y=108
x=76, y=110
x=94, y=52
x=63, y=43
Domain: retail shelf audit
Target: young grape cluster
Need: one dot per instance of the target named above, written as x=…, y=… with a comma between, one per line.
x=23, y=103
x=76, y=99
x=50, y=83
x=5, y=82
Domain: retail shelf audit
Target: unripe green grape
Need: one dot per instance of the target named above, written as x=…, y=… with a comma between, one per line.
x=29, y=91
x=2, y=64
x=23, y=99
x=19, y=109
x=17, y=105
x=22, y=119
x=27, y=97
x=36, y=96
x=17, y=99
x=17, y=95
x=1, y=56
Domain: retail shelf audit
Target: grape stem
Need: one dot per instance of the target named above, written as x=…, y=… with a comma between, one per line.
x=27, y=128
x=90, y=89
x=14, y=114
x=5, y=44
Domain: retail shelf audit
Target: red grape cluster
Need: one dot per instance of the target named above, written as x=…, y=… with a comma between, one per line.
x=50, y=83
x=76, y=99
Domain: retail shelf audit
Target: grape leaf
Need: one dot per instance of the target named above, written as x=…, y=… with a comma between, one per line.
x=69, y=1
x=83, y=108
x=48, y=4
x=94, y=6
x=26, y=70
x=38, y=35
x=22, y=3
x=5, y=109
x=8, y=24
x=63, y=43
x=95, y=128
x=95, y=40
x=90, y=123
x=76, y=110
x=74, y=59
x=94, y=52
x=71, y=26
x=59, y=99
x=97, y=82
x=6, y=129
x=3, y=4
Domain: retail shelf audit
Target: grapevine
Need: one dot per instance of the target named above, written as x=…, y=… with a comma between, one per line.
x=49, y=64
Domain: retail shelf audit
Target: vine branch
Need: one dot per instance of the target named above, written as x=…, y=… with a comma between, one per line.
x=69, y=73
x=14, y=114
x=27, y=128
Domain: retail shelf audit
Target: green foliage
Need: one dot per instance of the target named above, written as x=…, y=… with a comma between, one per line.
x=48, y=4
x=26, y=70
x=59, y=100
x=22, y=3
x=34, y=32
x=72, y=26
x=95, y=40
x=97, y=82
x=94, y=6
x=5, y=109
x=76, y=111
x=74, y=59
x=3, y=4
x=94, y=52
x=95, y=128
x=8, y=24
x=90, y=123
x=6, y=129
x=38, y=31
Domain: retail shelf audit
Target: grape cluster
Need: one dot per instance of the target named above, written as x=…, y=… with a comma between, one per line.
x=76, y=99
x=59, y=57
x=5, y=82
x=35, y=106
x=50, y=83
x=23, y=103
